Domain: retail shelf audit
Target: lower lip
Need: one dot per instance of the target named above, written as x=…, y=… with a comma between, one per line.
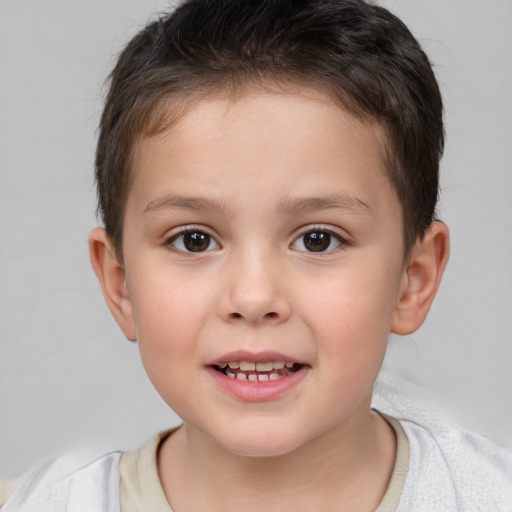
x=258, y=391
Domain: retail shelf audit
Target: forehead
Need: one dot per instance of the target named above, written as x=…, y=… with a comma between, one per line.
x=245, y=147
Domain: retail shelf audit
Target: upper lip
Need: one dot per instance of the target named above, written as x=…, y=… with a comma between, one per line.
x=253, y=357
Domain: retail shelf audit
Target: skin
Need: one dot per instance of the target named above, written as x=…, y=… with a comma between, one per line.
x=249, y=165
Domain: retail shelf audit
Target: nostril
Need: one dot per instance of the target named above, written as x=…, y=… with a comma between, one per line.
x=271, y=314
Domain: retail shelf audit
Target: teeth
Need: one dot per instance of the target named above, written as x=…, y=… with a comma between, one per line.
x=248, y=366
x=264, y=367
x=265, y=370
x=253, y=377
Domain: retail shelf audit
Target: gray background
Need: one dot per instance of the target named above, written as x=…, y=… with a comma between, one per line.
x=69, y=379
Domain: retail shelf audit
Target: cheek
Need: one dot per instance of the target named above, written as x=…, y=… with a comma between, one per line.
x=351, y=326
x=169, y=317
x=168, y=314
x=351, y=312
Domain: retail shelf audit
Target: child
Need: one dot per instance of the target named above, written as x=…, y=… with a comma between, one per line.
x=267, y=176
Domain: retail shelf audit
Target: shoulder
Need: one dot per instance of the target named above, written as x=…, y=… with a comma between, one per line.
x=69, y=484
x=456, y=467
x=450, y=468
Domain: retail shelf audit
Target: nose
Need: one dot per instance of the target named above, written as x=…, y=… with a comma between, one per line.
x=254, y=291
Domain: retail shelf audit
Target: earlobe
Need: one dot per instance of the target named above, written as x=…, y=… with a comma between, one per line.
x=421, y=279
x=110, y=274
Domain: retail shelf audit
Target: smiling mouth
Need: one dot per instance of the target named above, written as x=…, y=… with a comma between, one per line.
x=261, y=371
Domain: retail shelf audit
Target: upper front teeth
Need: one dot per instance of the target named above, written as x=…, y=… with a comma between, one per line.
x=247, y=366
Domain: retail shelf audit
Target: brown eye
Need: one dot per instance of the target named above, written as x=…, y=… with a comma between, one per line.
x=317, y=241
x=193, y=241
x=196, y=241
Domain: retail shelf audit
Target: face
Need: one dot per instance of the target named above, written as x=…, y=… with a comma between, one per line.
x=263, y=262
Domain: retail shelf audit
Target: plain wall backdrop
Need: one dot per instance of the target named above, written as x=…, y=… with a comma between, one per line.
x=69, y=379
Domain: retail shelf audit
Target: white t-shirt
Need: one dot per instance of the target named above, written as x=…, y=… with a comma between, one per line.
x=450, y=468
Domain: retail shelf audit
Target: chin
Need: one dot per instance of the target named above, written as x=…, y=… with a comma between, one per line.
x=271, y=443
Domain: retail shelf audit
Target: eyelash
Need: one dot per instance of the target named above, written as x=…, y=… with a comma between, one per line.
x=190, y=231
x=320, y=229
x=210, y=240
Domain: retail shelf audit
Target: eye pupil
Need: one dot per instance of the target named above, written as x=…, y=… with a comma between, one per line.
x=317, y=241
x=195, y=241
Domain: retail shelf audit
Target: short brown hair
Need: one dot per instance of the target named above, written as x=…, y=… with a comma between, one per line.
x=356, y=52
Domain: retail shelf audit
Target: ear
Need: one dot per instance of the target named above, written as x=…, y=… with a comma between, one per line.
x=110, y=274
x=421, y=278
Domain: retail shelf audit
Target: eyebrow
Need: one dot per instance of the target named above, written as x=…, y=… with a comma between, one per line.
x=172, y=202
x=341, y=201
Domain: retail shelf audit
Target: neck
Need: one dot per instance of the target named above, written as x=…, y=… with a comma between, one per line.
x=347, y=468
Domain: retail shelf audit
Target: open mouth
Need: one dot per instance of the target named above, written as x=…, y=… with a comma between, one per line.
x=261, y=371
